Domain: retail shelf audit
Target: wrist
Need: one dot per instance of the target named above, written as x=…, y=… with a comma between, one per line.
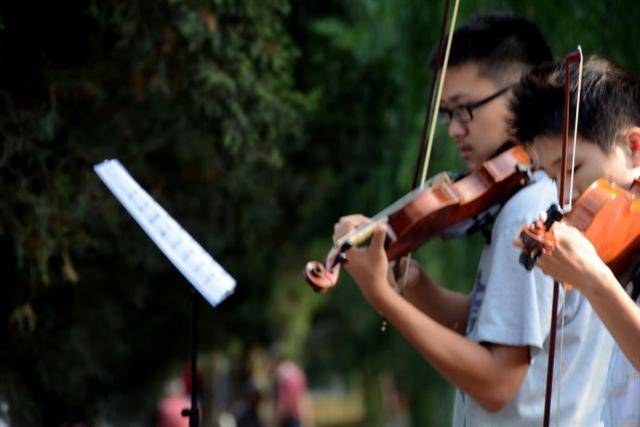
x=597, y=280
x=382, y=295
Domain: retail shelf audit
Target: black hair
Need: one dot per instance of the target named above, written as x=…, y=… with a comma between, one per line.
x=502, y=44
x=610, y=102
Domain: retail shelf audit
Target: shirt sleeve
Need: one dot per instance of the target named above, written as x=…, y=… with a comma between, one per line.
x=517, y=303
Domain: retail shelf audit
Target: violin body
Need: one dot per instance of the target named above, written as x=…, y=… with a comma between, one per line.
x=431, y=211
x=443, y=206
x=607, y=215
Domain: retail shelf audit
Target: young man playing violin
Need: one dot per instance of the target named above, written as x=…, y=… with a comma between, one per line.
x=608, y=146
x=492, y=344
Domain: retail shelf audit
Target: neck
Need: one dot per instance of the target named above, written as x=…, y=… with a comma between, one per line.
x=504, y=147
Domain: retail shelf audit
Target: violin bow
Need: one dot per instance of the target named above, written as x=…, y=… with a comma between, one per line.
x=429, y=123
x=575, y=56
x=433, y=104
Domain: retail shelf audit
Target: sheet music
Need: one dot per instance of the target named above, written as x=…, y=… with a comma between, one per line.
x=204, y=273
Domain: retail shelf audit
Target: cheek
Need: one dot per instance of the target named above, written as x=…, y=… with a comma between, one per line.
x=488, y=134
x=499, y=115
x=616, y=170
x=494, y=123
x=585, y=176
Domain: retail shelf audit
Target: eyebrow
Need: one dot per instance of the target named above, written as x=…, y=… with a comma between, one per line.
x=557, y=161
x=453, y=98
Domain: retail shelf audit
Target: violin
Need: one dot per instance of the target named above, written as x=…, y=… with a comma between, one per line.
x=607, y=215
x=428, y=212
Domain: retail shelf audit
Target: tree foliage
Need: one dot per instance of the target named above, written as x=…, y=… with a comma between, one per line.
x=198, y=101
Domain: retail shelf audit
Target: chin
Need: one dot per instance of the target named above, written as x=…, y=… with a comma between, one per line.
x=471, y=165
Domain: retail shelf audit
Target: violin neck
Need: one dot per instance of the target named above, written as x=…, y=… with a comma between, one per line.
x=359, y=235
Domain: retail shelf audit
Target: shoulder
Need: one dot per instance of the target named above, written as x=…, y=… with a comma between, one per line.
x=524, y=206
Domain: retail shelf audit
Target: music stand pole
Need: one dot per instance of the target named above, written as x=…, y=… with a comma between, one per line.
x=194, y=412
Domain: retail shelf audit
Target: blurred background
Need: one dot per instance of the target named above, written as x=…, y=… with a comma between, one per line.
x=256, y=124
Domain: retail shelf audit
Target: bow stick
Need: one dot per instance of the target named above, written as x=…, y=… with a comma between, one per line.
x=429, y=124
x=573, y=57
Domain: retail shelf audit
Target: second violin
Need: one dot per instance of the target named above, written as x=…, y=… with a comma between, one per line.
x=608, y=215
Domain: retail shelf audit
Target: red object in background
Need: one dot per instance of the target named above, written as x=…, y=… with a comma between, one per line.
x=291, y=387
x=186, y=378
x=170, y=411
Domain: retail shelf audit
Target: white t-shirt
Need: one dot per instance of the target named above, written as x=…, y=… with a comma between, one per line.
x=622, y=407
x=512, y=306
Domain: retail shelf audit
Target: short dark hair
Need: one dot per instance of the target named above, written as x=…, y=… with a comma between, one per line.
x=610, y=102
x=504, y=46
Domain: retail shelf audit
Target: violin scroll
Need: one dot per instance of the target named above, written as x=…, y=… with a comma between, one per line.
x=324, y=276
x=320, y=277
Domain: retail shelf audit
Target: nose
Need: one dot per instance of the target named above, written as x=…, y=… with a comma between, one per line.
x=456, y=129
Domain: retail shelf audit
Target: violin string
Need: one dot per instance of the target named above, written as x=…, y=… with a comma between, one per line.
x=381, y=216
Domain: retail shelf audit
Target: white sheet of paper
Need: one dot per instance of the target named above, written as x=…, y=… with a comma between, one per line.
x=202, y=271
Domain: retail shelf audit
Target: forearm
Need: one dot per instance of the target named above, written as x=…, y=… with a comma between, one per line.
x=618, y=312
x=492, y=383
x=449, y=308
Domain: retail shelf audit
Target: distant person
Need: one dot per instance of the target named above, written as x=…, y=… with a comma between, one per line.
x=171, y=406
x=248, y=415
x=292, y=404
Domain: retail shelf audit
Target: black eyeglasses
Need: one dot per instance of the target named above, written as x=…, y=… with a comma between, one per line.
x=464, y=113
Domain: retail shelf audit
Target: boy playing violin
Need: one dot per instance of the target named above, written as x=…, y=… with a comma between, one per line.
x=492, y=344
x=608, y=147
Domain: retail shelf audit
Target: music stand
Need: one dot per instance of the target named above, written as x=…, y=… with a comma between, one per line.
x=196, y=265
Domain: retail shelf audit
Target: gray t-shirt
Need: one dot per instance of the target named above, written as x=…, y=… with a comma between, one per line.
x=512, y=306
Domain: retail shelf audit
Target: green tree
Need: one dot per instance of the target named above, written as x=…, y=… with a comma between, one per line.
x=198, y=100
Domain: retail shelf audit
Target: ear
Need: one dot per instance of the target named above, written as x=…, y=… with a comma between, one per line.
x=633, y=142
